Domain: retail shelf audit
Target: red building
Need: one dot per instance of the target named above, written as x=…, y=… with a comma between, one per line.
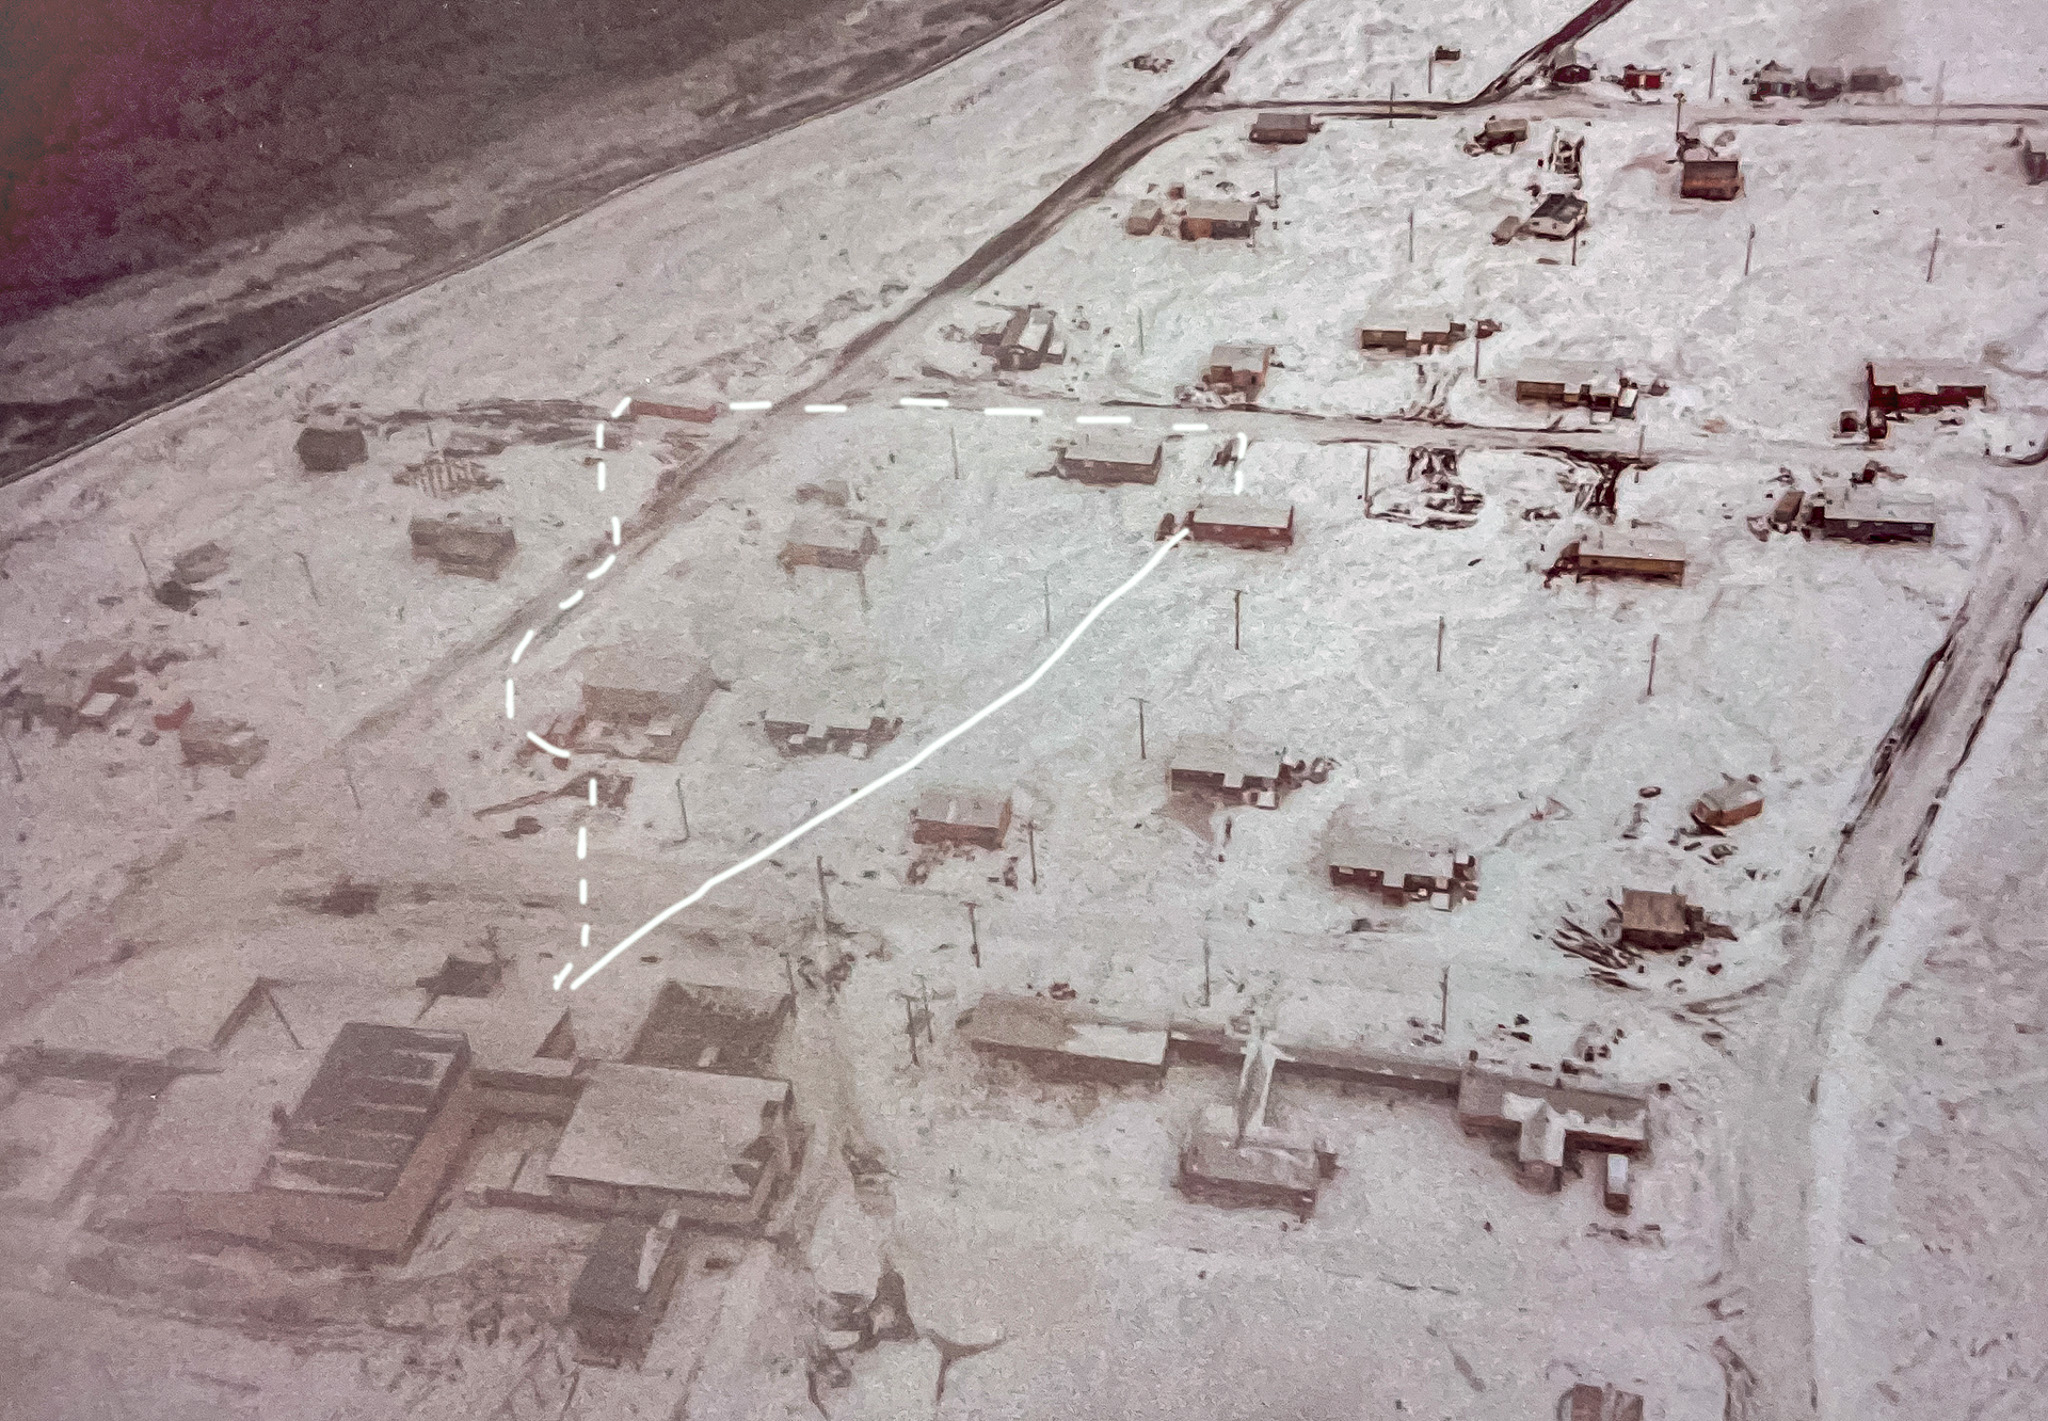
x=1899, y=388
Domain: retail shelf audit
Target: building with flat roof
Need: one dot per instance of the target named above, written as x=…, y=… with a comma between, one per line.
x=641, y=701
x=623, y=1288
x=819, y=540
x=1843, y=515
x=960, y=818
x=1240, y=522
x=698, y=1026
x=1282, y=128
x=1615, y=552
x=1549, y=1119
x=1064, y=1039
x=1400, y=872
x=647, y=1139
x=1210, y=764
x=1206, y=217
x=1921, y=386
x=1658, y=920
x=1111, y=459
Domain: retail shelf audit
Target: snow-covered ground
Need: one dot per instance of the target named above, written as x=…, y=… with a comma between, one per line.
x=1329, y=50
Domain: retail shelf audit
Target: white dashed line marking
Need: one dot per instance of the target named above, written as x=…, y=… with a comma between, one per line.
x=1191, y=429
x=1014, y=413
x=571, y=600
x=555, y=750
x=1102, y=419
x=567, y=968
x=749, y=406
x=524, y=642
x=615, y=530
x=915, y=402
x=510, y=714
x=622, y=406
x=602, y=568
x=824, y=409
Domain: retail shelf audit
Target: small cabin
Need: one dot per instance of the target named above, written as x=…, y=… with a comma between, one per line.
x=1728, y=804
x=1412, y=335
x=1500, y=133
x=846, y=732
x=1784, y=515
x=1027, y=341
x=1557, y=216
x=1633, y=77
x=1823, y=83
x=1566, y=384
x=1903, y=387
x=1856, y=520
x=671, y=407
x=1282, y=128
x=1207, y=217
x=1242, y=368
x=816, y=540
x=1610, y=552
x=467, y=544
x=1658, y=920
x=1774, y=81
x=1208, y=765
x=1569, y=66
x=1242, y=522
x=1402, y=873
x=641, y=702
x=1111, y=459
x=1145, y=217
x=1872, y=79
x=961, y=819
x=1715, y=179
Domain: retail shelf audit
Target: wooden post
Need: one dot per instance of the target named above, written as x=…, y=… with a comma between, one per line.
x=1575, y=246
x=1390, y=105
x=1476, y=343
x=1679, y=127
x=1439, y=645
x=307, y=568
x=1237, y=619
x=1931, y=251
x=1368, y=480
x=684, y=806
x=1642, y=433
x=18, y=775
x=1651, y=688
x=350, y=775
x=1031, y=838
x=1141, y=332
x=824, y=902
x=1141, y=725
x=1713, y=70
x=1205, y=971
x=974, y=934
x=1429, y=82
x=148, y=577
x=910, y=1027
x=1411, y=236
x=789, y=971
x=953, y=439
x=1749, y=249
x=1047, y=577
x=1443, y=1016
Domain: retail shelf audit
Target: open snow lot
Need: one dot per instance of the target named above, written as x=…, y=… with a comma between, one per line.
x=1326, y=50
x=1844, y=217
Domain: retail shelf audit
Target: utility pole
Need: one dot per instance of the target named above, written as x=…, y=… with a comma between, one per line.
x=910, y=1027
x=1931, y=251
x=304, y=567
x=1141, y=332
x=1713, y=69
x=1237, y=619
x=953, y=439
x=1205, y=971
x=1439, y=645
x=148, y=577
x=1411, y=236
x=683, y=805
x=11, y=758
x=1651, y=688
x=1141, y=725
x=789, y=971
x=974, y=934
x=1048, y=601
x=1390, y=106
x=824, y=902
x=1443, y=1017
x=1679, y=127
x=1368, y=480
x=1031, y=838
x=350, y=775
x=1575, y=246
x=1749, y=249
x=1429, y=83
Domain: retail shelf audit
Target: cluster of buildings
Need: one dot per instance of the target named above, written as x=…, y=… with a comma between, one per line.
x=1821, y=83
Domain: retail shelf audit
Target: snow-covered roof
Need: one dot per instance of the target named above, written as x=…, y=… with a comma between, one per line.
x=1231, y=511
x=1926, y=374
x=649, y=1127
x=1393, y=860
x=954, y=806
x=1237, y=356
x=1622, y=543
x=1220, y=210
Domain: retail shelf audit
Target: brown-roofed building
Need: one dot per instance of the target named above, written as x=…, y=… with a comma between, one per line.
x=1282, y=128
x=961, y=818
x=1146, y=215
x=816, y=540
x=1064, y=1039
x=1921, y=387
x=468, y=544
x=1549, y=1119
x=1614, y=552
x=645, y=1139
x=1208, y=764
x=1207, y=217
x=1774, y=81
x=1872, y=79
x=1238, y=367
x=1502, y=133
x=1401, y=872
x=1658, y=920
x=623, y=1289
x=1823, y=82
x=1027, y=342
x=1586, y=1402
x=837, y=730
x=641, y=702
x=1242, y=522
x=329, y=451
x=1111, y=459
x=705, y=1027
x=1714, y=178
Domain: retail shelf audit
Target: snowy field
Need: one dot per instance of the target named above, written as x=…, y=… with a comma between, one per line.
x=1328, y=50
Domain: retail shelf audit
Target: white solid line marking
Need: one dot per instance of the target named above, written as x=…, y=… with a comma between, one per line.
x=583, y=890
x=586, y=935
x=571, y=600
x=892, y=776
x=1014, y=413
x=622, y=406
x=742, y=406
x=524, y=642
x=1238, y=463
x=555, y=750
x=582, y=842
x=602, y=568
x=918, y=402
x=510, y=714
x=600, y=434
x=593, y=791
x=824, y=409
x=1102, y=419
x=615, y=530
x=567, y=968
x=1191, y=429
x=600, y=476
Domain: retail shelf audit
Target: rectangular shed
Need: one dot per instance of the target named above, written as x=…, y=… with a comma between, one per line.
x=1111, y=459
x=1209, y=764
x=1610, y=552
x=1584, y=384
x=1064, y=1038
x=1412, y=334
x=1856, y=520
x=1716, y=179
x=1242, y=522
x=958, y=817
x=1206, y=217
x=1282, y=128
x=1401, y=872
x=469, y=544
x=1921, y=387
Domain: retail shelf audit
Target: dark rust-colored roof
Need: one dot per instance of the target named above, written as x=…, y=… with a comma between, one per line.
x=372, y=1101
x=609, y=1284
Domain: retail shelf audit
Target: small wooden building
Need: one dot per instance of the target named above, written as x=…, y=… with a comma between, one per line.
x=1207, y=217
x=1282, y=128
x=1612, y=552
x=1401, y=873
x=960, y=818
x=1064, y=1039
x=847, y=732
x=329, y=451
x=1550, y=1120
x=1569, y=66
x=1728, y=803
x=1921, y=387
x=1242, y=522
x=1506, y=230
x=1412, y=334
x=1502, y=133
x=1716, y=179
x=1584, y=384
x=1658, y=920
x=1266, y=1168
x=1557, y=216
x=467, y=544
x=1633, y=77
x=1208, y=765
x=1773, y=81
x=1848, y=518
x=1785, y=512
x=641, y=702
x=671, y=407
x=1823, y=83
x=1238, y=367
x=816, y=540
x=1872, y=79
x=623, y=1289
x=1586, y=1402
x=1027, y=340
x=1146, y=215
x=1111, y=459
